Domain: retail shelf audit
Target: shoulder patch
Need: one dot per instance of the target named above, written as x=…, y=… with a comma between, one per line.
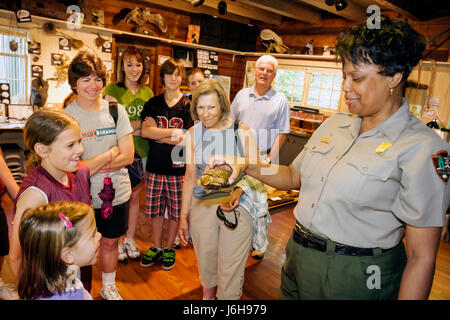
x=441, y=162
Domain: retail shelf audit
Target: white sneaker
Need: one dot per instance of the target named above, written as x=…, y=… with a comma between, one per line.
x=8, y=291
x=177, y=242
x=131, y=249
x=122, y=254
x=110, y=292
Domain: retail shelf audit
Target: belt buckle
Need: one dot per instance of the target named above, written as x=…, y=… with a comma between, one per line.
x=308, y=241
x=300, y=229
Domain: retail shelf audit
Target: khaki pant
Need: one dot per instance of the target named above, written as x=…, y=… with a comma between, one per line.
x=221, y=252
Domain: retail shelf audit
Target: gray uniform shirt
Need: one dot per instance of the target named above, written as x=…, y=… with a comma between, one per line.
x=354, y=195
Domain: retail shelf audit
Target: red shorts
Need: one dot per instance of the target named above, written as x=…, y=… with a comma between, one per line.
x=163, y=191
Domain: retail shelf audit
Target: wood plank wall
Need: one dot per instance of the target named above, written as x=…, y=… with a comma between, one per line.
x=177, y=22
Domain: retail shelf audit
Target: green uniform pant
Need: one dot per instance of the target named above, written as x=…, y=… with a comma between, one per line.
x=310, y=274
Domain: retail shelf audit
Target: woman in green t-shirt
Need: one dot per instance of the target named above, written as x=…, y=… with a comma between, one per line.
x=132, y=92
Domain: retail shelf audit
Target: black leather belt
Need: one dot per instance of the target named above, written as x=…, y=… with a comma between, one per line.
x=307, y=240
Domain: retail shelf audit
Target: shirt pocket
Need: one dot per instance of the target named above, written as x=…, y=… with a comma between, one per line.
x=315, y=154
x=372, y=184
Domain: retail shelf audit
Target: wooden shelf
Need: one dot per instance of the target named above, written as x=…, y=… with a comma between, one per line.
x=281, y=198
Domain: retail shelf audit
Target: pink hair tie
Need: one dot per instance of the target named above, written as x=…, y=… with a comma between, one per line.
x=65, y=220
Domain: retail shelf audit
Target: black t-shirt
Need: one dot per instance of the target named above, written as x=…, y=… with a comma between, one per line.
x=160, y=154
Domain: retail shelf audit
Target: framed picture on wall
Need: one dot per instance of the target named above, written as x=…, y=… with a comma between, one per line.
x=249, y=78
x=185, y=55
x=225, y=81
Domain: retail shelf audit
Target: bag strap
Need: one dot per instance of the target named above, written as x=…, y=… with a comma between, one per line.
x=237, y=139
x=113, y=111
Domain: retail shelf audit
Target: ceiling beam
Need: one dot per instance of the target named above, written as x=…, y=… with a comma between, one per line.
x=288, y=9
x=387, y=5
x=352, y=12
x=185, y=6
x=243, y=10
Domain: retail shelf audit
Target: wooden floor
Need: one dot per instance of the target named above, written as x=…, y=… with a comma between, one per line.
x=262, y=278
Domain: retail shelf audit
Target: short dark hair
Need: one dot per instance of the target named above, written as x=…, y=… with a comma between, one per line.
x=394, y=47
x=169, y=66
x=83, y=65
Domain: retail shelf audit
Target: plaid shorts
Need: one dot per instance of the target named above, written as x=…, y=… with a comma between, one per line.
x=163, y=191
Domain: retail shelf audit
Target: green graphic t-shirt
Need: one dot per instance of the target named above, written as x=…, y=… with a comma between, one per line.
x=133, y=105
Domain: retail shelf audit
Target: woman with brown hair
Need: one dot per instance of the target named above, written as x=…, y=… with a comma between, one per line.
x=100, y=132
x=131, y=91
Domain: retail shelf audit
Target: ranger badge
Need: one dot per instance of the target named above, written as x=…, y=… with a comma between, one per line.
x=441, y=162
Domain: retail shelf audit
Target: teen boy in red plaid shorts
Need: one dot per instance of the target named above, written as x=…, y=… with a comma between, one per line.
x=164, y=120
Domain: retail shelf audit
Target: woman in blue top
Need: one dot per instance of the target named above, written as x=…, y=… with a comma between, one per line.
x=221, y=251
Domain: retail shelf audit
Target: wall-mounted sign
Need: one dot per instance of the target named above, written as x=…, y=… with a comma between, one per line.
x=107, y=46
x=208, y=60
x=64, y=44
x=56, y=59
x=34, y=47
x=23, y=16
x=37, y=70
x=5, y=95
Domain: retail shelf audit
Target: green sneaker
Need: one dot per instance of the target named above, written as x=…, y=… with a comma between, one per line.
x=168, y=259
x=151, y=256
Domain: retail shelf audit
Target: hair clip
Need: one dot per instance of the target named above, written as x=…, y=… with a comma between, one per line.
x=65, y=220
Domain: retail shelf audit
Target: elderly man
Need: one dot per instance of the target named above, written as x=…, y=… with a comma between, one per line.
x=267, y=113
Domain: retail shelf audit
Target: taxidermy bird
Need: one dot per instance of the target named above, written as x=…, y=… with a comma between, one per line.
x=138, y=17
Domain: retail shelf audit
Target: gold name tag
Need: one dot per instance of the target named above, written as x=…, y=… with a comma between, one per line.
x=325, y=140
x=383, y=147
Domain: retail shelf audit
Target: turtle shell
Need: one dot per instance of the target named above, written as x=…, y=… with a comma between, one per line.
x=214, y=179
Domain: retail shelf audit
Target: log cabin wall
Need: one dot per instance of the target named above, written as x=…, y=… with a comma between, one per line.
x=295, y=34
x=177, y=22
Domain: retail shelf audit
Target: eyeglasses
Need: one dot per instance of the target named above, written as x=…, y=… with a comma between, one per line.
x=227, y=223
